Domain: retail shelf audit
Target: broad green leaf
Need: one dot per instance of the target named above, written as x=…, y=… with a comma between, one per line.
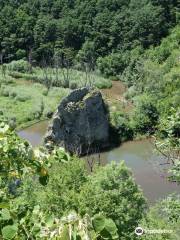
x=49, y=221
x=5, y=214
x=105, y=227
x=44, y=180
x=111, y=228
x=98, y=223
x=9, y=231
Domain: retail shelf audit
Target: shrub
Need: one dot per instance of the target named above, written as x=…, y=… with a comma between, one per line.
x=45, y=92
x=5, y=92
x=112, y=191
x=103, y=84
x=145, y=117
x=165, y=215
x=13, y=94
x=16, y=74
x=21, y=66
x=112, y=65
x=130, y=93
x=66, y=178
x=73, y=85
x=40, y=225
x=168, y=144
x=168, y=44
x=23, y=97
x=20, y=54
x=15, y=155
x=38, y=109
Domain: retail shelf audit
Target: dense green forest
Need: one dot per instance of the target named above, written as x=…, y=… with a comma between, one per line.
x=83, y=30
x=49, y=48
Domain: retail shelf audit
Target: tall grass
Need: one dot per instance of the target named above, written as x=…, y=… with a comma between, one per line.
x=64, y=78
x=31, y=95
x=27, y=102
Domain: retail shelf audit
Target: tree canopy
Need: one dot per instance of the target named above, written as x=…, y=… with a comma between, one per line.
x=35, y=29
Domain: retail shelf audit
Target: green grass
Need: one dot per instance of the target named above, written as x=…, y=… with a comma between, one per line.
x=27, y=102
x=58, y=77
x=24, y=96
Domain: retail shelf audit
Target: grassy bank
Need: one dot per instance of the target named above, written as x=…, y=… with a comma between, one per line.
x=58, y=77
x=27, y=97
x=26, y=102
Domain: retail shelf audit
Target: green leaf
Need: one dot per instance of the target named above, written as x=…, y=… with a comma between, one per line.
x=5, y=215
x=4, y=205
x=98, y=223
x=111, y=228
x=105, y=227
x=44, y=180
x=49, y=221
x=9, y=231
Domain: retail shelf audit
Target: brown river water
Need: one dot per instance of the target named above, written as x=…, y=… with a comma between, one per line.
x=139, y=156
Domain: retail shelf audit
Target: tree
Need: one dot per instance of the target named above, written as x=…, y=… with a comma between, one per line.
x=168, y=143
x=111, y=26
x=145, y=117
x=112, y=191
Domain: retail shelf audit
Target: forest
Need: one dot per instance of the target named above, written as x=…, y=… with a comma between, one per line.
x=128, y=51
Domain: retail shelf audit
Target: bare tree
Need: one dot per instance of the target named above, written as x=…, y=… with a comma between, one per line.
x=47, y=75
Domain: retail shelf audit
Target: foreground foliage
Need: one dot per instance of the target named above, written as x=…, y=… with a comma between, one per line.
x=165, y=215
x=44, y=196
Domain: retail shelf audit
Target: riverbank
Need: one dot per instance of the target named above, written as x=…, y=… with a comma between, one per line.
x=24, y=103
x=30, y=124
x=115, y=96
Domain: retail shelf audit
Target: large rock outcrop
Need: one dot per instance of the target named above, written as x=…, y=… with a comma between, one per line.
x=80, y=124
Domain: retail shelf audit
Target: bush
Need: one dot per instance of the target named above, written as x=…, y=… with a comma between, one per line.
x=38, y=109
x=22, y=97
x=130, y=93
x=15, y=155
x=16, y=75
x=13, y=94
x=168, y=44
x=5, y=92
x=168, y=144
x=165, y=215
x=45, y=92
x=109, y=191
x=66, y=178
x=21, y=66
x=103, y=84
x=112, y=191
x=20, y=54
x=145, y=117
x=73, y=85
x=112, y=65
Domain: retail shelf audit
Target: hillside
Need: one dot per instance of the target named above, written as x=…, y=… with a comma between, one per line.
x=80, y=30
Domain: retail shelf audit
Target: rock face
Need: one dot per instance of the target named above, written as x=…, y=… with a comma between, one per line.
x=80, y=124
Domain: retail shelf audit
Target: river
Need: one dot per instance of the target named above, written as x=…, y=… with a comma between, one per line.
x=139, y=156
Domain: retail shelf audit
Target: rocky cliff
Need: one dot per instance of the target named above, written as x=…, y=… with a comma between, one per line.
x=80, y=124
